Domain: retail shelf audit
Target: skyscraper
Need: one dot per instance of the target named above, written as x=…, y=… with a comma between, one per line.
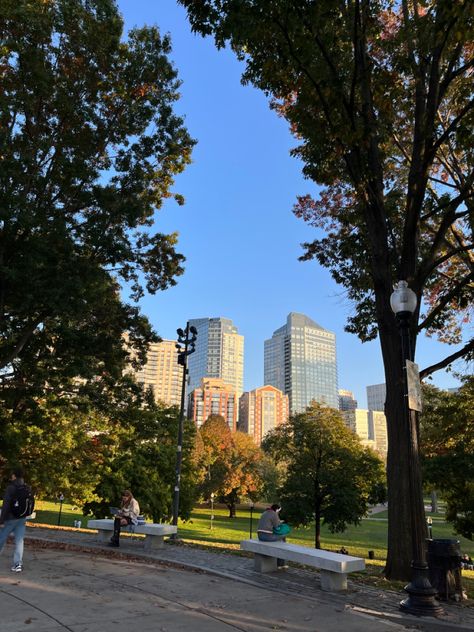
x=300, y=360
x=346, y=400
x=370, y=426
x=262, y=410
x=376, y=394
x=162, y=372
x=219, y=353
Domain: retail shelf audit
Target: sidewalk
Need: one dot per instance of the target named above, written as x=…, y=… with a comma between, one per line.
x=283, y=595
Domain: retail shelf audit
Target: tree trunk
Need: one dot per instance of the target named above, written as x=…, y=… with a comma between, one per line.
x=407, y=528
x=317, y=527
x=231, y=507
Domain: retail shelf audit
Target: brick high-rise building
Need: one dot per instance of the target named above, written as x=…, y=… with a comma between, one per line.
x=262, y=410
x=213, y=397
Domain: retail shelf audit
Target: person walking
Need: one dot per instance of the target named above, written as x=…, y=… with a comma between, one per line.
x=269, y=521
x=17, y=500
x=127, y=514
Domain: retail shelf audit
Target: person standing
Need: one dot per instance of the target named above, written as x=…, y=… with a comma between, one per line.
x=128, y=514
x=16, y=500
x=269, y=520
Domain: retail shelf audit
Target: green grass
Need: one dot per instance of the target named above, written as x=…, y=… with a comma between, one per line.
x=47, y=512
x=371, y=534
x=227, y=533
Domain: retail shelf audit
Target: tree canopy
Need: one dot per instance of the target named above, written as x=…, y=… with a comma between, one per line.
x=90, y=145
x=231, y=464
x=379, y=94
x=144, y=460
x=330, y=477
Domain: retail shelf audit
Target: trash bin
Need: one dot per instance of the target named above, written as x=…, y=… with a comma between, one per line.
x=444, y=561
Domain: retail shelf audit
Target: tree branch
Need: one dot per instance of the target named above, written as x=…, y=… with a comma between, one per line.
x=444, y=301
x=468, y=348
x=28, y=331
x=467, y=108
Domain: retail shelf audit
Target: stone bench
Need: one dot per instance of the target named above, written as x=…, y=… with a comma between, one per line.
x=154, y=533
x=334, y=567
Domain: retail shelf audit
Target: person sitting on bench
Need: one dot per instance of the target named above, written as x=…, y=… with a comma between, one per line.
x=127, y=514
x=269, y=520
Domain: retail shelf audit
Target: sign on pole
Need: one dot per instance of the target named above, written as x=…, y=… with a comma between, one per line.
x=414, y=386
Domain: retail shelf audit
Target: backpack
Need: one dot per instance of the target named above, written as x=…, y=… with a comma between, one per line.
x=22, y=502
x=282, y=529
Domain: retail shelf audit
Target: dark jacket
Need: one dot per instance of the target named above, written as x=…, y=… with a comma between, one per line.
x=9, y=493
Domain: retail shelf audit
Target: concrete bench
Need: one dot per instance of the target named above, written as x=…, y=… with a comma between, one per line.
x=154, y=533
x=334, y=567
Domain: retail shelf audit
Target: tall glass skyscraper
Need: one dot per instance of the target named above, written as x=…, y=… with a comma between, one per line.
x=300, y=360
x=219, y=353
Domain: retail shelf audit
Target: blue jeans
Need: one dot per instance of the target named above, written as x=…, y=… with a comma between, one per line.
x=17, y=527
x=272, y=537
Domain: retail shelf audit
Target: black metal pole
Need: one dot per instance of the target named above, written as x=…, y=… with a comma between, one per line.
x=61, y=499
x=421, y=595
x=251, y=520
x=188, y=338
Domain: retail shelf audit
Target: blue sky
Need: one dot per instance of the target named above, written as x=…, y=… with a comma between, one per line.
x=236, y=230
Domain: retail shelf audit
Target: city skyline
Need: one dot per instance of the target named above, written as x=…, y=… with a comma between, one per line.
x=237, y=231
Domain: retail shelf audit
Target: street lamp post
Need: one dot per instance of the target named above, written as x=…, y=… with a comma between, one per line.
x=251, y=517
x=212, y=510
x=61, y=500
x=188, y=339
x=421, y=595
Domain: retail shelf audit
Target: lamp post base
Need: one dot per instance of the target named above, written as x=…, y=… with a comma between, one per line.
x=421, y=600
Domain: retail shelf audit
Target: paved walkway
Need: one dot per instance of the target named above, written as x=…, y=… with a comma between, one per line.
x=72, y=582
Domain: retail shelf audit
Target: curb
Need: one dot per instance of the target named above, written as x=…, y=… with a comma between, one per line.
x=429, y=624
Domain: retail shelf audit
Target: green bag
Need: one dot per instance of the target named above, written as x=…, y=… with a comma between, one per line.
x=282, y=529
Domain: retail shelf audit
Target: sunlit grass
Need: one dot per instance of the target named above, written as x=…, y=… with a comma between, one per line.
x=226, y=533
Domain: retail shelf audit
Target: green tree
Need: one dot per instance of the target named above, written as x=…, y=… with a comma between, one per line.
x=379, y=95
x=63, y=448
x=330, y=479
x=90, y=146
x=447, y=442
x=144, y=461
x=271, y=472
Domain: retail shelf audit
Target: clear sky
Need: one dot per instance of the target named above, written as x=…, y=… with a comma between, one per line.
x=236, y=230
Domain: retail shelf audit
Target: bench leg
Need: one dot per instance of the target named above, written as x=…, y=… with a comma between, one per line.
x=333, y=581
x=104, y=536
x=265, y=563
x=153, y=542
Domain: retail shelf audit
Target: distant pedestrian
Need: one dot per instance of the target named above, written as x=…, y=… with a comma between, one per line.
x=127, y=514
x=17, y=505
x=269, y=521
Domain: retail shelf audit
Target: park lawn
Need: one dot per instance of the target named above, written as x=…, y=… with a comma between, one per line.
x=47, y=512
x=227, y=533
x=371, y=534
